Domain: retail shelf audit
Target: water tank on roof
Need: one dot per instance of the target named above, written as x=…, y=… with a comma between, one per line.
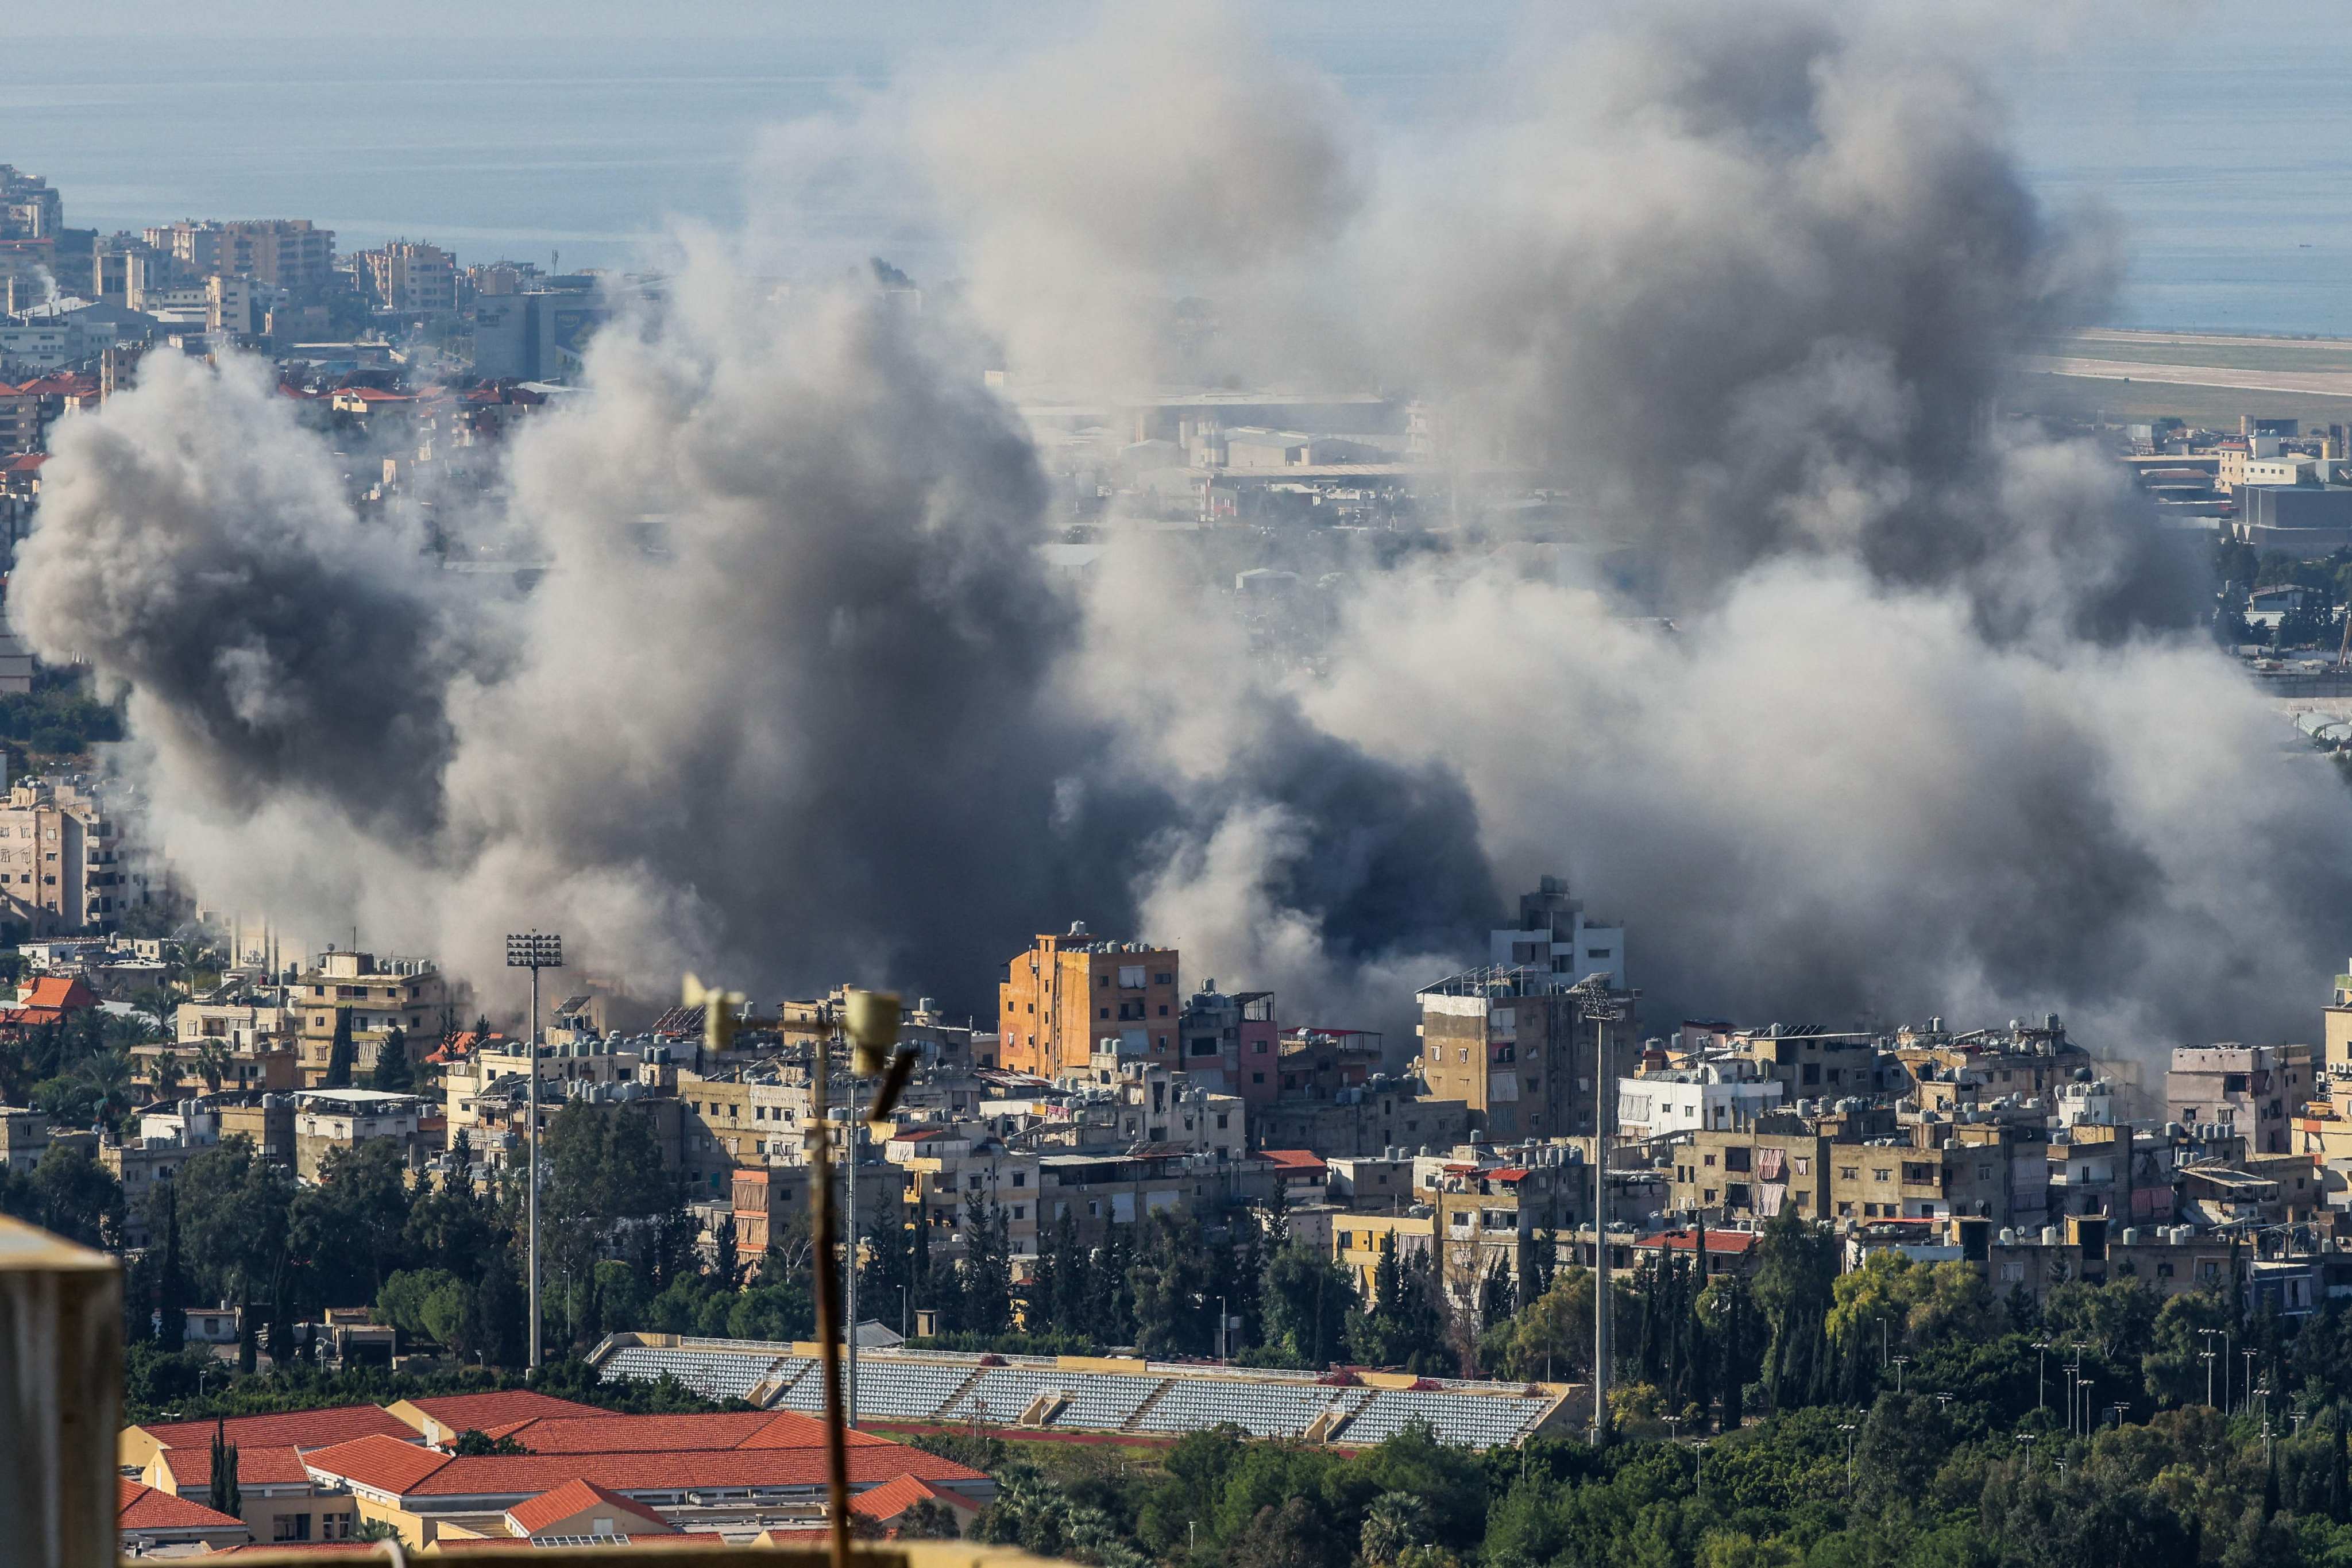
x=2049, y=1235
x=2131, y=1236
x=2008, y=1237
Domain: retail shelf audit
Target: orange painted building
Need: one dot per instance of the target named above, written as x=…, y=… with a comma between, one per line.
x=1068, y=992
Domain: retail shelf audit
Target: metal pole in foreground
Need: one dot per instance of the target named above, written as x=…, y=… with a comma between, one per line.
x=1603, y=1009
x=533, y=951
x=849, y=1130
x=828, y=1299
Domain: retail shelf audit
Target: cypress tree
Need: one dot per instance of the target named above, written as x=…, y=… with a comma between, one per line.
x=2336, y=1468
x=339, y=1053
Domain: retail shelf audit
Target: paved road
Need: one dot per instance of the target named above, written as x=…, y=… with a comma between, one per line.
x=2321, y=382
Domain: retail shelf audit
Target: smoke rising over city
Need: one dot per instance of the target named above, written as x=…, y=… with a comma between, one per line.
x=1934, y=727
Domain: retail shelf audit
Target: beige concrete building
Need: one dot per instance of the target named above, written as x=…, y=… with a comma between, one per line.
x=292, y=253
x=2259, y=1090
x=408, y=276
x=379, y=995
x=1513, y=1046
x=326, y=1119
x=62, y=865
x=946, y=1166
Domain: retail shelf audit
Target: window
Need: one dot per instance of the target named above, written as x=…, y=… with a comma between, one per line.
x=1845, y=1211
x=1984, y=1173
x=1020, y=1211
x=291, y=1527
x=1102, y=1012
x=1020, y=1178
x=1221, y=1120
x=1804, y=1164
x=1163, y=979
x=1849, y=1173
x=1881, y=1175
x=1736, y=1194
x=1163, y=1009
x=1465, y=1053
x=1709, y=1160
x=1257, y=1077
x=1737, y=1160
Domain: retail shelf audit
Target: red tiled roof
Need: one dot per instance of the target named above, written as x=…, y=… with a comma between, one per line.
x=150, y=1508
x=610, y=1434
x=301, y=1546
x=60, y=992
x=300, y=1429
x=381, y=1462
x=791, y=1429
x=577, y=1497
x=24, y=462
x=891, y=1498
x=275, y=1465
x=699, y=1540
x=1510, y=1174
x=1687, y=1241
x=1295, y=1159
x=498, y=1475
x=503, y=1407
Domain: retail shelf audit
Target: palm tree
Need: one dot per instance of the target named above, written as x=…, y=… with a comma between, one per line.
x=213, y=1063
x=167, y=1073
x=107, y=1075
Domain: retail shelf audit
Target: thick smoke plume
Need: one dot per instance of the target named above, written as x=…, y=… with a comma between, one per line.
x=1934, y=732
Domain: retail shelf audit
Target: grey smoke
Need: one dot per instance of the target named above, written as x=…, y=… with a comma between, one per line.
x=1937, y=732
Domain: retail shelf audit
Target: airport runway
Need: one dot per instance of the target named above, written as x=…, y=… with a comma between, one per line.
x=2318, y=383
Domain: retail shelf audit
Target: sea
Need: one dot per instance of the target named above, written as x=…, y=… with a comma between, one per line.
x=2224, y=166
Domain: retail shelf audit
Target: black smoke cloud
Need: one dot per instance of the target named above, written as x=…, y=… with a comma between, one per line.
x=1741, y=284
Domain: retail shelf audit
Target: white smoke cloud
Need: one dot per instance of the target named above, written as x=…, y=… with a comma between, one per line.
x=1936, y=733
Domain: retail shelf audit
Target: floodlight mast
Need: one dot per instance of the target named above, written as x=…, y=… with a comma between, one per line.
x=533, y=949
x=1597, y=1003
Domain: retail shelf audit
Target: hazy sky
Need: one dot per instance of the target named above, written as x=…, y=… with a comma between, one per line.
x=909, y=21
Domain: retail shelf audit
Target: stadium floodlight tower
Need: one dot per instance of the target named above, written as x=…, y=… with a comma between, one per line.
x=534, y=950
x=1597, y=1003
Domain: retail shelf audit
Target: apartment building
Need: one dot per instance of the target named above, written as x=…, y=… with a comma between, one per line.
x=1555, y=935
x=30, y=208
x=1813, y=1063
x=381, y=994
x=1230, y=1041
x=947, y=1166
x=2259, y=1090
x=1067, y=994
x=292, y=253
x=327, y=1120
x=1099, y=1191
x=62, y=865
x=1727, y=1093
x=1385, y=1114
x=1514, y=1045
x=405, y=276
x=23, y=1133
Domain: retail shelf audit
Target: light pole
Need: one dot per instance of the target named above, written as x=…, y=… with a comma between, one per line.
x=2207, y=1334
x=1847, y=1427
x=534, y=950
x=2248, y=1353
x=1900, y=1362
x=1220, y=1331
x=2119, y=1406
x=1594, y=1002
x=2041, y=1375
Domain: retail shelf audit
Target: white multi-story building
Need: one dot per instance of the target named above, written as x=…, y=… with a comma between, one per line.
x=1725, y=1096
x=1554, y=934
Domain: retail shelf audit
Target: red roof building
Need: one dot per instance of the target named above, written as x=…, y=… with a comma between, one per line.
x=301, y=1429
x=149, y=1518
x=888, y=1503
x=583, y=1508
x=53, y=997
x=442, y=1419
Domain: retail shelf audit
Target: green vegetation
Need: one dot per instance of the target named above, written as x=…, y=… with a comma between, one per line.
x=59, y=718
